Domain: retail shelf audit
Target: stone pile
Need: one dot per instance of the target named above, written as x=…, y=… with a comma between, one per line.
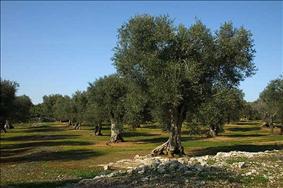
x=185, y=171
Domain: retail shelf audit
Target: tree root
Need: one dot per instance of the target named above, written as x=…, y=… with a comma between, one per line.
x=115, y=139
x=165, y=149
x=161, y=150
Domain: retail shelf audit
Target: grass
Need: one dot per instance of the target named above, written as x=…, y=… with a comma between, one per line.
x=52, y=154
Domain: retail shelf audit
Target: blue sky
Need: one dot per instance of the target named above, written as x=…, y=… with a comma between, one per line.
x=58, y=47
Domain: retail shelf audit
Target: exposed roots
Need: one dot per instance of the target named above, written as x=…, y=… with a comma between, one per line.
x=161, y=150
x=166, y=149
x=115, y=139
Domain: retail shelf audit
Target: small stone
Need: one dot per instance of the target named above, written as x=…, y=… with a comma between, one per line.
x=166, y=175
x=188, y=172
x=248, y=173
x=242, y=165
x=145, y=179
x=161, y=170
x=106, y=167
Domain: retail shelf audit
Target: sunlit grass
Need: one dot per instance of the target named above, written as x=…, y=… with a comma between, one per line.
x=49, y=154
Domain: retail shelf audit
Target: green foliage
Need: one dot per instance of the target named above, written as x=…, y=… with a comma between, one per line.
x=177, y=66
x=48, y=105
x=8, y=95
x=272, y=99
x=137, y=105
x=22, y=105
x=62, y=108
x=107, y=97
x=12, y=107
x=79, y=106
x=251, y=111
x=223, y=106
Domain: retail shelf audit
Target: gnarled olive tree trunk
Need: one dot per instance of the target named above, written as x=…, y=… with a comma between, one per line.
x=115, y=132
x=173, y=145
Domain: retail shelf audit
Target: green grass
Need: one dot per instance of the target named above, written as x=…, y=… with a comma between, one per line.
x=51, y=154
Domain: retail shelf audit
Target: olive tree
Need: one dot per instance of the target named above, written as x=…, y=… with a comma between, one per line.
x=272, y=98
x=178, y=65
x=8, y=96
x=62, y=108
x=137, y=105
x=108, y=95
x=224, y=105
x=22, y=105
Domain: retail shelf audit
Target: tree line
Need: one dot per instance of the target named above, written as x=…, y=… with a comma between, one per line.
x=170, y=74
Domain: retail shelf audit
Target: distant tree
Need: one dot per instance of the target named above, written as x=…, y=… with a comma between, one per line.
x=79, y=106
x=36, y=111
x=178, y=66
x=22, y=106
x=251, y=111
x=272, y=98
x=95, y=116
x=62, y=108
x=108, y=95
x=221, y=107
x=48, y=104
x=8, y=96
x=137, y=105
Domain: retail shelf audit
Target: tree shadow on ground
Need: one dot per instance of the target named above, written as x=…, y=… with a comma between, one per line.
x=44, y=144
x=69, y=155
x=164, y=139
x=41, y=129
x=244, y=129
x=138, y=134
x=248, y=123
x=12, y=152
x=243, y=135
x=246, y=148
x=42, y=184
x=38, y=137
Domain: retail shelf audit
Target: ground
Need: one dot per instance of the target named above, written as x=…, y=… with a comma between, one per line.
x=52, y=154
x=225, y=169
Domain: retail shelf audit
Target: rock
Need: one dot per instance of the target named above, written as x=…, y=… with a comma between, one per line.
x=145, y=179
x=174, y=164
x=242, y=165
x=182, y=168
x=198, y=168
x=141, y=170
x=188, y=172
x=248, y=173
x=161, y=170
x=166, y=175
x=106, y=167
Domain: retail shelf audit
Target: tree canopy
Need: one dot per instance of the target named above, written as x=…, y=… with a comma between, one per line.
x=179, y=66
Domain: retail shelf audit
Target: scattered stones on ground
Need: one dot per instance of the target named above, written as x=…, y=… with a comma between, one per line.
x=226, y=168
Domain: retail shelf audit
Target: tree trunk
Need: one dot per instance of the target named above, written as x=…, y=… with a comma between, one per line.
x=8, y=125
x=211, y=132
x=281, y=130
x=271, y=124
x=115, y=132
x=98, y=128
x=2, y=127
x=173, y=145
